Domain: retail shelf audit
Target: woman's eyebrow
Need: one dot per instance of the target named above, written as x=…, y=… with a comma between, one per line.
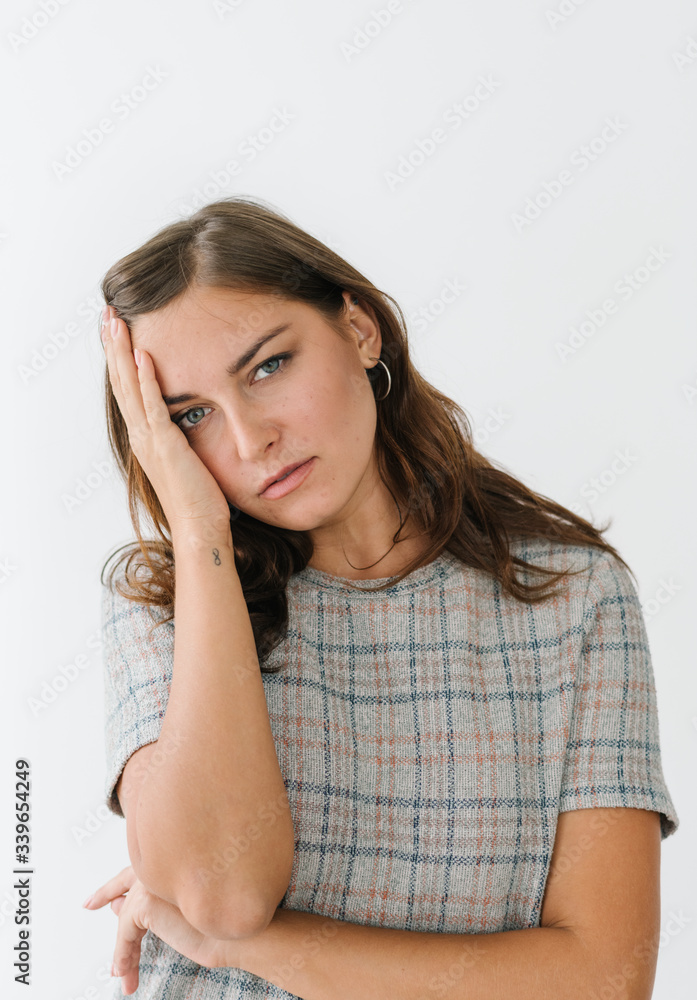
x=236, y=366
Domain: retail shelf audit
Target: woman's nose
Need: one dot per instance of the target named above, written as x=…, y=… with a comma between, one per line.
x=249, y=436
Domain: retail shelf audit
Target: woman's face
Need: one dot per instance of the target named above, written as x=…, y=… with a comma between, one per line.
x=315, y=402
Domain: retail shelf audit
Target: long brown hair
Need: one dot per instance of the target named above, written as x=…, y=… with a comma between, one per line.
x=424, y=445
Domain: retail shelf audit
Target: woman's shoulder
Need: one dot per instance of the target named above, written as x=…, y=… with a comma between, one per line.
x=578, y=564
x=580, y=580
x=553, y=554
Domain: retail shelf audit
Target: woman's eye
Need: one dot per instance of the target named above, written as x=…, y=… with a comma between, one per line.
x=269, y=361
x=185, y=421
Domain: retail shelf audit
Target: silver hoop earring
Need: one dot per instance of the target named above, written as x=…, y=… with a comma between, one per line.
x=389, y=379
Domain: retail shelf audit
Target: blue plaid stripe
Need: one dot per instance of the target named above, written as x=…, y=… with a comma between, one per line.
x=429, y=736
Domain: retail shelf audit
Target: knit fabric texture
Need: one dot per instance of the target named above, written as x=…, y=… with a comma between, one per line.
x=428, y=736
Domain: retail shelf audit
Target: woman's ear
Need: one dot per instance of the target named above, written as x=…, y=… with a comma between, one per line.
x=350, y=301
x=365, y=327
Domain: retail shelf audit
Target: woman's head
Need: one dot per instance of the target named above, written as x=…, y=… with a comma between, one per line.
x=302, y=395
x=198, y=296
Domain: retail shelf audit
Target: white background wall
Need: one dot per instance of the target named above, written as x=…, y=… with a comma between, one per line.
x=558, y=72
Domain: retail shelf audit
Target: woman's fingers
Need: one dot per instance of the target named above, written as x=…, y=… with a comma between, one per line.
x=127, y=384
x=113, y=343
x=184, y=485
x=135, y=386
x=112, y=889
x=154, y=405
x=138, y=910
x=131, y=931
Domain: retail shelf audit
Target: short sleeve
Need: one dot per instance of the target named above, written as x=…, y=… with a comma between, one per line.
x=613, y=756
x=137, y=660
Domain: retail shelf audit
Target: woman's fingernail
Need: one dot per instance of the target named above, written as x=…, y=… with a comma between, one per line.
x=114, y=326
x=88, y=900
x=105, y=314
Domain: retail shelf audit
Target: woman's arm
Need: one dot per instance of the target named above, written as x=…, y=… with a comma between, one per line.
x=212, y=823
x=599, y=933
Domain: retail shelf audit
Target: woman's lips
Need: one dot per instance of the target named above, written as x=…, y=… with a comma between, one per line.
x=283, y=486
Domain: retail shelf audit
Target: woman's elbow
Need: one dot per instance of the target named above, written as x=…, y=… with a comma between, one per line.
x=243, y=920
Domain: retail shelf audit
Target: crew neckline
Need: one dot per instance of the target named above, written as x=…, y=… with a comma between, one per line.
x=438, y=567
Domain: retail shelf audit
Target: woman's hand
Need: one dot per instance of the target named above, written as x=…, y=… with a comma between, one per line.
x=141, y=910
x=188, y=492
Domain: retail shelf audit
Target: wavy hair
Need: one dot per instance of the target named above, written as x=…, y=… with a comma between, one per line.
x=424, y=444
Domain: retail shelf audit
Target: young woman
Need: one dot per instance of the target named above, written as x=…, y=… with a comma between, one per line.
x=381, y=720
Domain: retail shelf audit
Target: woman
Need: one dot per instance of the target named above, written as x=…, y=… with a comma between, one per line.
x=405, y=741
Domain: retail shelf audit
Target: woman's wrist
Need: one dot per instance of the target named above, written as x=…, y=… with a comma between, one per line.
x=201, y=536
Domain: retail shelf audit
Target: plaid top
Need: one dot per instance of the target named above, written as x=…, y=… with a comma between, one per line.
x=428, y=736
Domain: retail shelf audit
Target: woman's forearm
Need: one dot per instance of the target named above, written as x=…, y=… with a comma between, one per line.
x=214, y=828
x=320, y=958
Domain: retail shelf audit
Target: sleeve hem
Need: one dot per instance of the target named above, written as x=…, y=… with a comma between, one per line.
x=633, y=797
x=146, y=735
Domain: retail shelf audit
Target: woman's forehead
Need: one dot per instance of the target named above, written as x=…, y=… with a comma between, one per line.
x=212, y=311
